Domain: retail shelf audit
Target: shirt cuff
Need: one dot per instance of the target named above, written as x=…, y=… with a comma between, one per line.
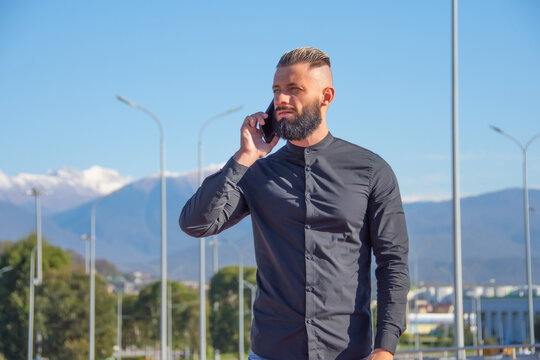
x=234, y=171
x=387, y=341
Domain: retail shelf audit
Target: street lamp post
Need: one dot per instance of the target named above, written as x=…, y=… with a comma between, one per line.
x=240, y=299
x=119, y=327
x=252, y=289
x=527, y=230
x=37, y=194
x=38, y=280
x=163, y=228
x=214, y=244
x=92, y=281
x=456, y=199
x=169, y=322
x=202, y=255
x=31, y=307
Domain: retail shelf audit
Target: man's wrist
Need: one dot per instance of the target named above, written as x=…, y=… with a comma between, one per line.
x=380, y=354
x=244, y=158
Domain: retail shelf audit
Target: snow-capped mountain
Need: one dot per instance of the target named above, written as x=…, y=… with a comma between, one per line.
x=65, y=187
x=128, y=224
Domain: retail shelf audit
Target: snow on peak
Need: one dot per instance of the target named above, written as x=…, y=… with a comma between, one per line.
x=66, y=187
x=5, y=182
x=93, y=181
x=103, y=181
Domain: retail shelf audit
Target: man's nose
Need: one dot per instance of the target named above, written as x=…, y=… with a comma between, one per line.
x=281, y=99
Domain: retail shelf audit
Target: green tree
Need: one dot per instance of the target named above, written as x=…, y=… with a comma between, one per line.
x=61, y=306
x=14, y=292
x=64, y=316
x=185, y=316
x=146, y=312
x=143, y=316
x=130, y=330
x=223, y=297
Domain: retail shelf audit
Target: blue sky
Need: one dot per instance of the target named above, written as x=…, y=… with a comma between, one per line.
x=62, y=64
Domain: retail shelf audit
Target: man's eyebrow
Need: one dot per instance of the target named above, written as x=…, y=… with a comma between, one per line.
x=287, y=85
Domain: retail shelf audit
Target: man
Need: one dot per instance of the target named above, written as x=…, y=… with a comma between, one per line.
x=318, y=206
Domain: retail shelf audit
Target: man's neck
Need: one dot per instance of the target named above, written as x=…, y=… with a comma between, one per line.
x=315, y=137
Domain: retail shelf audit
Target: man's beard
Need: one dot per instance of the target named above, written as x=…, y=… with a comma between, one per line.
x=302, y=125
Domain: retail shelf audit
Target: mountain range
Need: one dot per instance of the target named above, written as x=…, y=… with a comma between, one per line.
x=128, y=225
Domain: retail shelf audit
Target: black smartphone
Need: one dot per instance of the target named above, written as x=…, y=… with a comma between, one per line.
x=268, y=127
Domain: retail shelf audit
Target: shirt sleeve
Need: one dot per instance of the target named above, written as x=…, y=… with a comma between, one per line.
x=217, y=205
x=390, y=244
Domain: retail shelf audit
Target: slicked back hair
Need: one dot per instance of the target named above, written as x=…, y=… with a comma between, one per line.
x=314, y=57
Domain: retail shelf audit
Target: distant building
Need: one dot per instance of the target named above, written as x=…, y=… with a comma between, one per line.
x=504, y=318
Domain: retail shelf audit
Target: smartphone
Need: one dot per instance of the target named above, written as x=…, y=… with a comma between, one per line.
x=268, y=127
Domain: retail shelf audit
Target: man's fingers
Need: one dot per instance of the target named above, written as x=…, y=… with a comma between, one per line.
x=274, y=141
x=253, y=119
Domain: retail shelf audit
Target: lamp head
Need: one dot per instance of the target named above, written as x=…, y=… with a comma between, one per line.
x=496, y=129
x=126, y=101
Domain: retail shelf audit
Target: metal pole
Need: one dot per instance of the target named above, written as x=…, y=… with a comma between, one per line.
x=241, y=308
x=119, y=327
x=92, y=281
x=479, y=322
x=164, y=345
x=528, y=249
x=240, y=299
x=214, y=243
x=202, y=255
x=202, y=276
x=169, y=322
x=163, y=316
x=39, y=247
x=527, y=228
x=416, y=334
x=458, y=286
x=37, y=193
x=31, y=307
x=252, y=290
x=474, y=310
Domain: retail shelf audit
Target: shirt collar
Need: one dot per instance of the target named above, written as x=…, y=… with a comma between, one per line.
x=318, y=146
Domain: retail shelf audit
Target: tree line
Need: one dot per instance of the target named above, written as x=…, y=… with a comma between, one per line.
x=61, y=326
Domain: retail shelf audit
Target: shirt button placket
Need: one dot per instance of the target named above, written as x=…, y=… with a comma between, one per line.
x=311, y=268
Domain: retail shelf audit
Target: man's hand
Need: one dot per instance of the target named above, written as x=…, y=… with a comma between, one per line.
x=380, y=354
x=252, y=145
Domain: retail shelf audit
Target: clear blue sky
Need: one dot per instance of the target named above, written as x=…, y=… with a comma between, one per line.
x=63, y=62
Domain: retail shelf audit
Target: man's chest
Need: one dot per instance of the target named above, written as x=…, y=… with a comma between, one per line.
x=320, y=193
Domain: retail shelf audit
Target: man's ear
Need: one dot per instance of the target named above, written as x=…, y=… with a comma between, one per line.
x=328, y=95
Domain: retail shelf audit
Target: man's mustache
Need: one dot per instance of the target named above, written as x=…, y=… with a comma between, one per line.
x=288, y=108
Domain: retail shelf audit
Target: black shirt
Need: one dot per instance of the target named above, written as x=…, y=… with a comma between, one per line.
x=317, y=213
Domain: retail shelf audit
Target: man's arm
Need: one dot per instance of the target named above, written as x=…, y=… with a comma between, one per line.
x=390, y=244
x=219, y=204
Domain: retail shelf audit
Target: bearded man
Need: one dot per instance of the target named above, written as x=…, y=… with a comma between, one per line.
x=319, y=207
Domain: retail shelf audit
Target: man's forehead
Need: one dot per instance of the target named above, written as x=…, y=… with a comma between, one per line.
x=293, y=73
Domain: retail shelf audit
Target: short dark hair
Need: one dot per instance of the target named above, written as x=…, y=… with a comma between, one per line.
x=314, y=57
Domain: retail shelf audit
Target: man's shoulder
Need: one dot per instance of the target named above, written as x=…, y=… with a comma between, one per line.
x=342, y=145
x=362, y=156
